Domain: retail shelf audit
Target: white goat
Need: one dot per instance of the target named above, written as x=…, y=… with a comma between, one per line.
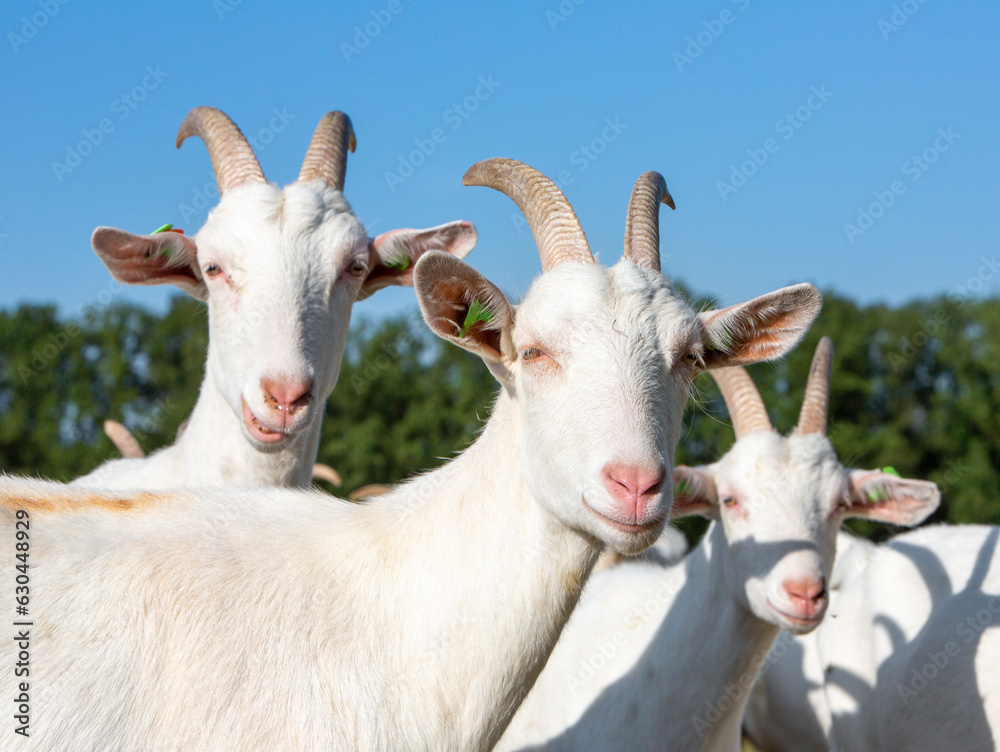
x=664, y=657
x=909, y=658
x=274, y=619
x=280, y=271
x=129, y=446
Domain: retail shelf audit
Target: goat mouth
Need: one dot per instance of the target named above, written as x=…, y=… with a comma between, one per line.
x=625, y=527
x=258, y=430
x=799, y=621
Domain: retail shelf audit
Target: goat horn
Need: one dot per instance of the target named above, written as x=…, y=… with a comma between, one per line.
x=326, y=156
x=327, y=473
x=746, y=408
x=232, y=158
x=812, y=417
x=369, y=492
x=123, y=440
x=642, y=225
x=553, y=222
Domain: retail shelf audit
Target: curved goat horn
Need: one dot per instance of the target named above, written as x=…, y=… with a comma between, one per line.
x=327, y=473
x=746, y=408
x=553, y=222
x=812, y=417
x=123, y=440
x=326, y=156
x=232, y=158
x=642, y=225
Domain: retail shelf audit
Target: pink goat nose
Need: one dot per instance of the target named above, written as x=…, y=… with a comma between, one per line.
x=808, y=592
x=287, y=395
x=632, y=487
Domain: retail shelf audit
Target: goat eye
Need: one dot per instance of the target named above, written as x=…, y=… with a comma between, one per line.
x=728, y=501
x=692, y=358
x=531, y=353
x=213, y=270
x=357, y=269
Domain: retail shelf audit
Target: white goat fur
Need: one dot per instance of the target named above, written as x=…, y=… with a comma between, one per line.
x=292, y=264
x=275, y=619
x=910, y=661
x=661, y=657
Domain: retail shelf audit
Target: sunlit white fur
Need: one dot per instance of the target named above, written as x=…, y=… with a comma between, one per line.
x=662, y=657
x=907, y=658
x=287, y=620
x=280, y=310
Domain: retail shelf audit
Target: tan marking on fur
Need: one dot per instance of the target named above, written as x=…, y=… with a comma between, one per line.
x=72, y=502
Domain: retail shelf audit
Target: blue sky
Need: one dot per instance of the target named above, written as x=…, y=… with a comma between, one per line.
x=776, y=130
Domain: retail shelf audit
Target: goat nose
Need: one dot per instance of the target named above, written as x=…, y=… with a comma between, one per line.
x=633, y=487
x=287, y=395
x=807, y=591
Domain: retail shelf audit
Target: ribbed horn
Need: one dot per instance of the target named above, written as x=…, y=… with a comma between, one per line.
x=232, y=158
x=326, y=156
x=123, y=440
x=552, y=220
x=642, y=225
x=816, y=404
x=743, y=401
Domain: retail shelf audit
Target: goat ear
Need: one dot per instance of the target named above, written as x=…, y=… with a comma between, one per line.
x=760, y=329
x=885, y=497
x=694, y=492
x=460, y=305
x=394, y=254
x=163, y=258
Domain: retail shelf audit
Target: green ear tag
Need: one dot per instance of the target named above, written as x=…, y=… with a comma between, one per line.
x=477, y=312
x=877, y=494
x=682, y=487
x=890, y=470
x=165, y=228
x=400, y=265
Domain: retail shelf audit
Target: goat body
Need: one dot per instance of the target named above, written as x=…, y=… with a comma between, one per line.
x=908, y=657
x=275, y=619
x=664, y=657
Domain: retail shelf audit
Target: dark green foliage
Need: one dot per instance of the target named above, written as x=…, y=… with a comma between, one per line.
x=59, y=380
x=915, y=387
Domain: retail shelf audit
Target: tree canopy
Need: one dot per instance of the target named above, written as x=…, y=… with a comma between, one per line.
x=915, y=387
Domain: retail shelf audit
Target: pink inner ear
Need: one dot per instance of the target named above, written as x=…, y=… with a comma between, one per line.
x=693, y=492
x=888, y=498
x=395, y=253
x=164, y=258
x=857, y=481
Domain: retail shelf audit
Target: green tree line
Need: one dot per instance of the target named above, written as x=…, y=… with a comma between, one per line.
x=916, y=387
